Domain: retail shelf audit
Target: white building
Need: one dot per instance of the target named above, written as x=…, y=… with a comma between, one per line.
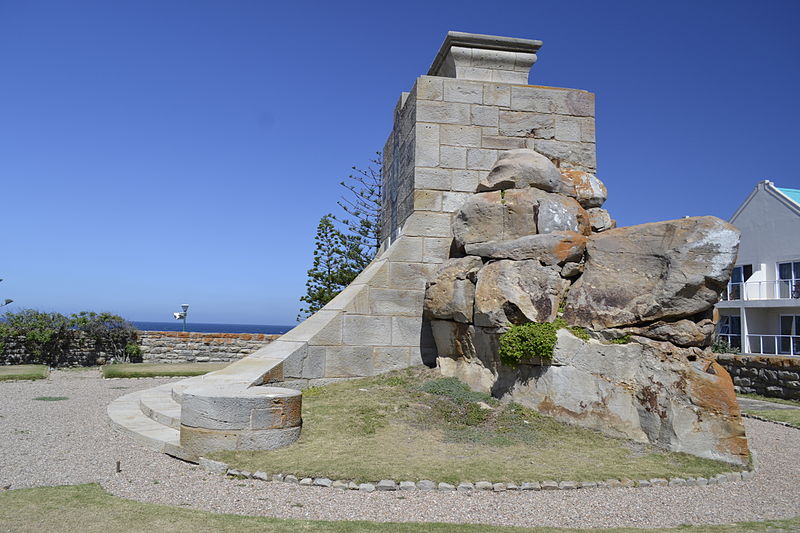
x=760, y=311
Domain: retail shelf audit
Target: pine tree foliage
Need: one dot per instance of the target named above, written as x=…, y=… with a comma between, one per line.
x=331, y=270
x=345, y=245
x=362, y=206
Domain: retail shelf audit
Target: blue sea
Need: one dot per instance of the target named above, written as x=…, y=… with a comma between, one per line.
x=211, y=328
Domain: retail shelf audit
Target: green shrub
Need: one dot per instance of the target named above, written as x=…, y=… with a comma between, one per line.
x=524, y=341
x=721, y=346
x=49, y=337
x=455, y=390
x=625, y=339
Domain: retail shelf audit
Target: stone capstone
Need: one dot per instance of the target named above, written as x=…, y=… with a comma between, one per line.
x=661, y=270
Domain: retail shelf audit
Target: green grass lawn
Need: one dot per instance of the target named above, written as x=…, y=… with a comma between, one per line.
x=23, y=372
x=790, y=416
x=153, y=370
x=413, y=424
x=89, y=509
x=795, y=403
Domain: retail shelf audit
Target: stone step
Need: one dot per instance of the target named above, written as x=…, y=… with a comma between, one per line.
x=126, y=415
x=158, y=404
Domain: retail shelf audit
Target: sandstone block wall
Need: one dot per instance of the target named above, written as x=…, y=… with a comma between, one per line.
x=778, y=377
x=449, y=132
x=193, y=347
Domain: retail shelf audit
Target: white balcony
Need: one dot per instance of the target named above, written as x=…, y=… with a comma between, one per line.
x=762, y=290
x=764, y=344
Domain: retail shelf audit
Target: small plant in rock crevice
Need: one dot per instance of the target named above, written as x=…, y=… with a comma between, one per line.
x=525, y=341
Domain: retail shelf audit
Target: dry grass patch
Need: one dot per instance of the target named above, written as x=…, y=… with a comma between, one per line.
x=15, y=372
x=154, y=370
x=89, y=509
x=413, y=424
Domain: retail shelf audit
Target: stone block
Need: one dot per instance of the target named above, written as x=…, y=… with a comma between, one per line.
x=426, y=484
x=580, y=103
x=430, y=88
x=406, y=330
x=330, y=334
x=531, y=485
x=526, y=124
x=408, y=485
x=428, y=224
x=456, y=135
x=496, y=95
x=509, y=76
x=480, y=159
x=494, y=59
x=432, y=178
x=388, y=358
x=386, y=484
x=484, y=485
x=366, y=331
x=587, y=129
x=427, y=200
x=349, y=361
x=539, y=99
x=485, y=115
x=426, y=145
x=452, y=201
x=394, y=302
x=467, y=181
x=474, y=73
x=453, y=157
x=436, y=250
x=501, y=142
x=411, y=276
x=443, y=112
x=568, y=129
x=445, y=487
x=470, y=92
x=579, y=154
x=408, y=249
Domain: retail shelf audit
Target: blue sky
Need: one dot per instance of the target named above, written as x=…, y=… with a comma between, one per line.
x=160, y=152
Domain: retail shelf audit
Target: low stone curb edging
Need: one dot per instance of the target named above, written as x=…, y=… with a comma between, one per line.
x=218, y=467
x=761, y=418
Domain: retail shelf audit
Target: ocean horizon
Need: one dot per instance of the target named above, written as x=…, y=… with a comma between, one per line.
x=211, y=328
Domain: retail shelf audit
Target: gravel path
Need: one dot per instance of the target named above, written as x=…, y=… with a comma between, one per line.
x=70, y=441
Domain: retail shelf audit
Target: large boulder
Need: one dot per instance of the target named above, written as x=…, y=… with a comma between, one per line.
x=600, y=219
x=554, y=248
x=511, y=214
x=451, y=293
x=662, y=270
x=515, y=292
x=678, y=399
x=584, y=187
x=520, y=169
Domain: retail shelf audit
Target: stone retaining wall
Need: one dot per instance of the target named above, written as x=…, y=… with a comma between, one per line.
x=193, y=347
x=774, y=376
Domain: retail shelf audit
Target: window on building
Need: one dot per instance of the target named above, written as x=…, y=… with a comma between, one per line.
x=730, y=330
x=789, y=279
x=736, y=287
x=790, y=334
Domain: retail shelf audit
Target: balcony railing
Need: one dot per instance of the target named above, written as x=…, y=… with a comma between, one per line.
x=765, y=344
x=762, y=290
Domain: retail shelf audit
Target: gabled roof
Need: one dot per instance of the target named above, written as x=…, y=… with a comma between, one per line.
x=793, y=194
x=789, y=197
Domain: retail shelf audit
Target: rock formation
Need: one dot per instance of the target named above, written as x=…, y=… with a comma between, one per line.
x=533, y=244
